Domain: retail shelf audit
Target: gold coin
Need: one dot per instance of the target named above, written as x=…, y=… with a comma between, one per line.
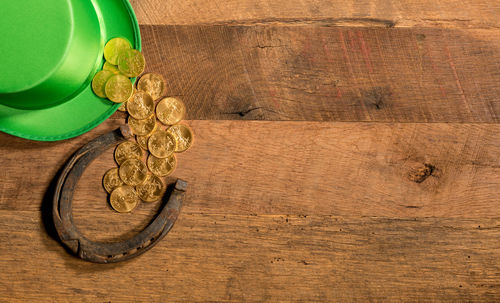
x=112, y=68
x=170, y=111
x=183, y=136
x=162, y=167
x=142, y=127
x=99, y=82
x=131, y=63
x=119, y=88
x=141, y=105
x=153, y=84
x=133, y=172
x=127, y=150
x=151, y=189
x=124, y=199
x=143, y=140
x=161, y=144
x=111, y=180
x=114, y=48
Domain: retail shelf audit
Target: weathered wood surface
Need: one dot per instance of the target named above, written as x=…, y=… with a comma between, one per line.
x=372, y=173
x=422, y=13
x=343, y=211
x=242, y=258
x=343, y=169
x=318, y=73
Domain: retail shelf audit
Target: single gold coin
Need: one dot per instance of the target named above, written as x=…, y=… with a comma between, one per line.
x=112, y=68
x=153, y=84
x=151, y=189
x=143, y=140
x=142, y=127
x=119, y=88
x=183, y=137
x=131, y=63
x=124, y=199
x=133, y=172
x=127, y=150
x=170, y=111
x=141, y=105
x=114, y=48
x=99, y=82
x=161, y=144
x=111, y=180
x=162, y=167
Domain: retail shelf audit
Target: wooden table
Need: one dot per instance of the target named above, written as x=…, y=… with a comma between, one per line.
x=345, y=151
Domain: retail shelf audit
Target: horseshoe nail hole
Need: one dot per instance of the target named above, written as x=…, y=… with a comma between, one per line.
x=110, y=257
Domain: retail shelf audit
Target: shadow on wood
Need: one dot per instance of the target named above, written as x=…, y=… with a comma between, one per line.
x=46, y=209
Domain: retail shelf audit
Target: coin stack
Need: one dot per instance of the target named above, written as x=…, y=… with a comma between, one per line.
x=153, y=119
x=122, y=62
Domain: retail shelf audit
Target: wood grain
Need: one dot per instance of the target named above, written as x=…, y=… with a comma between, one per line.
x=344, y=151
x=318, y=73
x=342, y=169
x=422, y=13
x=228, y=258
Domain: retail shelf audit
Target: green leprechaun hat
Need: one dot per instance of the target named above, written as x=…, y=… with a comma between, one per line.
x=49, y=52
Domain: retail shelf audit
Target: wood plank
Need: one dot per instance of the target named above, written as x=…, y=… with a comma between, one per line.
x=318, y=73
x=441, y=13
x=310, y=168
x=221, y=258
x=379, y=207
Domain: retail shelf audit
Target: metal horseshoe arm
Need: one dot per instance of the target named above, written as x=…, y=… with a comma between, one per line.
x=107, y=252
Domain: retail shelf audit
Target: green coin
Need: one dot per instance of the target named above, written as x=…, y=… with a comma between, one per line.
x=119, y=88
x=112, y=68
x=131, y=63
x=114, y=48
x=99, y=82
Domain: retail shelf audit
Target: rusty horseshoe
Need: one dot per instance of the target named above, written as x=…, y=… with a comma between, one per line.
x=100, y=252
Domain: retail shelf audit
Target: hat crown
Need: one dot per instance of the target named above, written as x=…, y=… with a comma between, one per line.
x=49, y=49
x=34, y=40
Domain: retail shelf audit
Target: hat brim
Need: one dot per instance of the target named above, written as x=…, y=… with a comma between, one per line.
x=86, y=110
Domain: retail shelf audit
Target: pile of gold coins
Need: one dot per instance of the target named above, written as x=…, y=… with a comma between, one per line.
x=153, y=119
